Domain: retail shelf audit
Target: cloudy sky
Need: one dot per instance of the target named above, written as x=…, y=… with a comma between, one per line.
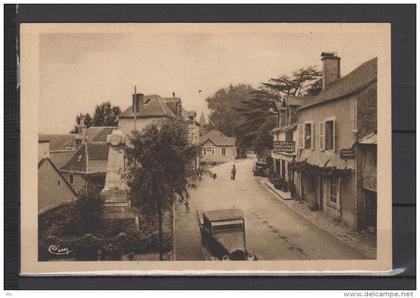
x=80, y=70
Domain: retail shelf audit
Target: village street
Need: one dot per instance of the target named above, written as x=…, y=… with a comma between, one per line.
x=273, y=231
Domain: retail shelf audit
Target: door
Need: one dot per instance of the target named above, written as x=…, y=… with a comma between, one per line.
x=321, y=193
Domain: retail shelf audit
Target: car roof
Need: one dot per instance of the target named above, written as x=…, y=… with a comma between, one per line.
x=223, y=214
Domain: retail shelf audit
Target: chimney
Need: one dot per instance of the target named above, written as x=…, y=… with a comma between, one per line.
x=330, y=68
x=178, y=108
x=138, y=101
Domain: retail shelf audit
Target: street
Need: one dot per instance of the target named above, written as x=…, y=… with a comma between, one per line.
x=273, y=231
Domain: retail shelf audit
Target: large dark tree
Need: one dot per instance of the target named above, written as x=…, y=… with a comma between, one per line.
x=258, y=113
x=106, y=115
x=88, y=121
x=160, y=171
x=223, y=115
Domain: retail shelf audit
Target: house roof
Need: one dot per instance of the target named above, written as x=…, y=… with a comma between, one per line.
x=289, y=127
x=354, y=82
x=61, y=157
x=46, y=159
x=370, y=139
x=218, y=139
x=298, y=100
x=88, y=159
x=98, y=133
x=154, y=106
x=57, y=141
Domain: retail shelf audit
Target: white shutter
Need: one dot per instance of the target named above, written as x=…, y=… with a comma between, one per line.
x=300, y=136
x=312, y=136
x=321, y=136
x=334, y=136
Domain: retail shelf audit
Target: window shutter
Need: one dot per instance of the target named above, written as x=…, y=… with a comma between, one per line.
x=300, y=136
x=312, y=136
x=334, y=136
x=321, y=136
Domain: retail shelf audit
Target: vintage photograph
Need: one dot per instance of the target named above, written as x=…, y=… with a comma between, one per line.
x=209, y=142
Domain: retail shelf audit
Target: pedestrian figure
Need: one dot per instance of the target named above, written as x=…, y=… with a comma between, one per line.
x=233, y=173
x=214, y=176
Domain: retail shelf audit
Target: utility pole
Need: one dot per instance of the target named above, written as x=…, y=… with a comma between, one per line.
x=135, y=105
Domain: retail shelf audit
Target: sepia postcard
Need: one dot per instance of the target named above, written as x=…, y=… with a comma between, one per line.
x=205, y=149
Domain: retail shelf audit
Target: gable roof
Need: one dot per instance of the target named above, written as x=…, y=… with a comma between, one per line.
x=57, y=141
x=98, y=133
x=90, y=158
x=46, y=159
x=218, y=139
x=354, y=82
x=154, y=106
x=61, y=157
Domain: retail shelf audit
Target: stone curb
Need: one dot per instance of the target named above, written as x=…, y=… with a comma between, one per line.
x=344, y=236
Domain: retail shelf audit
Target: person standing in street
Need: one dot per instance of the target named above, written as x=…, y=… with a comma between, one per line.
x=233, y=173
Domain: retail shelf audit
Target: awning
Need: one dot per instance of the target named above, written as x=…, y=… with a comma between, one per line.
x=370, y=139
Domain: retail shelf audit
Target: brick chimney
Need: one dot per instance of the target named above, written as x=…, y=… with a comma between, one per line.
x=330, y=68
x=138, y=101
x=178, y=105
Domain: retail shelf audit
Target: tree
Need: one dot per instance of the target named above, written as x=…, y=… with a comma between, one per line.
x=106, y=115
x=258, y=113
x=223, y=115
x=160, y=172
x=88, y=121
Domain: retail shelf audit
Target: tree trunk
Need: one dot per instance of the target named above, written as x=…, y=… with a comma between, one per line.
x=159, y=213
x=160, y=228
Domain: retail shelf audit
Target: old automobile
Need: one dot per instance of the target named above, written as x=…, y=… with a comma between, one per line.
x=260, y=169
x=223, y=235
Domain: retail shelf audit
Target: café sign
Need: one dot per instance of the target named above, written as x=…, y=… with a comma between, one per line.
x=347, y=153
x=283, y=147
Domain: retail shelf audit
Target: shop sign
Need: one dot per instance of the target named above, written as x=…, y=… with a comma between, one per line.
x=347, y=153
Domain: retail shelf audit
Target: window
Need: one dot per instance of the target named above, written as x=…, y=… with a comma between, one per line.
x=309, y=135
x=334, y=190
x=71, y=179
x=329, y=135
x=223, y=151
x=208, y=151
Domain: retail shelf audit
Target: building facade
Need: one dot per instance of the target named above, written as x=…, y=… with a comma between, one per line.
x=285, y=137
x=217, y=148
x=53, y=188
x=330, y=161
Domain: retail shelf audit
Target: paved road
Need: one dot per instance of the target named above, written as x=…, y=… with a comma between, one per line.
x=274, y=232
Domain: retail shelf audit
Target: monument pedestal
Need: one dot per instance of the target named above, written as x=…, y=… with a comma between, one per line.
x=115, y=193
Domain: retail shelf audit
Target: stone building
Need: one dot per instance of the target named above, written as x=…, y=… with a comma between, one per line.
x=328, y=167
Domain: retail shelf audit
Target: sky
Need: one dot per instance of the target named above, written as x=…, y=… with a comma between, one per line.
x=80, y=70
